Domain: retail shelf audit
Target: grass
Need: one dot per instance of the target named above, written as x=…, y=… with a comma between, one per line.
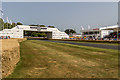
x=40, y=59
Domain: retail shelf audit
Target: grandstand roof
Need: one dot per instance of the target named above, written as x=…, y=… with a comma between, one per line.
x=110, y=27
x=90, y=30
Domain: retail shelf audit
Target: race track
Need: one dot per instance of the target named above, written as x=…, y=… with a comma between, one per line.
x=105, y=46
x=115, y=47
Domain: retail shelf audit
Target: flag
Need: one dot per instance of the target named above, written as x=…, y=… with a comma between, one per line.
x=8, y=20
x=1, y=13
x=3, y=20
x=88, y=27
x=17, y=26
x=82, y=28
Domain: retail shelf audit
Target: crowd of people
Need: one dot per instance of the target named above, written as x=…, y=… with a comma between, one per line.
x=4, y=37
x=112, y=36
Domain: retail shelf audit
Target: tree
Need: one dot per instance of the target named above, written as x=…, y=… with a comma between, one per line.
x=27, y=33
x=42, y=26
x=7, y=26
x=1, y=23
x=41, y=34
x=13, y=25
x=18, y=23
x=70, y=31
x=34, y=34
x=33, y=25
x=51, y=26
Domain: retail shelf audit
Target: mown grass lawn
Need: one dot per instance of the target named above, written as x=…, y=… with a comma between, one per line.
x=42, y=59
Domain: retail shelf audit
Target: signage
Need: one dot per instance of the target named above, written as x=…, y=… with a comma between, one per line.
x=38, y=28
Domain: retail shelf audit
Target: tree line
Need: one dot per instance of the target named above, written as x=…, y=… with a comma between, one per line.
x=69, y=31
x=8, y=25
x=34, y=34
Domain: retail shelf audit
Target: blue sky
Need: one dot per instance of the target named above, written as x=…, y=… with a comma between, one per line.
x=60, y=0
x=63, y=15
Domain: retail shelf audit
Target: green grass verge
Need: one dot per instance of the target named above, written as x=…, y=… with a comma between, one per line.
x=40, y=59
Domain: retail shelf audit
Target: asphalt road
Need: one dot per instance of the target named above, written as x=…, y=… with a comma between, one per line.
x=115, y=47
x=105, y=46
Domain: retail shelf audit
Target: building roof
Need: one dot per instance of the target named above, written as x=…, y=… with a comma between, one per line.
x=102, y=28
x=109, y=27
x=91, y=30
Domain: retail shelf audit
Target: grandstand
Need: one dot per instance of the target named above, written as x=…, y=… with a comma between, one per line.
x=104, y=33
x=115, y=35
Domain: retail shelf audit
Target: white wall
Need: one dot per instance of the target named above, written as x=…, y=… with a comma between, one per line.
x=18, y=32
x=12, y=33
x=104, y=33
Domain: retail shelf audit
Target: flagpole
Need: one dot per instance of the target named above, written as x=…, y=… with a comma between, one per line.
x=88, y=31
x=82, y=29
x=88, y=34
x=7, y=25
x=7, y=22
x=10, y=24
x=98, y=31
